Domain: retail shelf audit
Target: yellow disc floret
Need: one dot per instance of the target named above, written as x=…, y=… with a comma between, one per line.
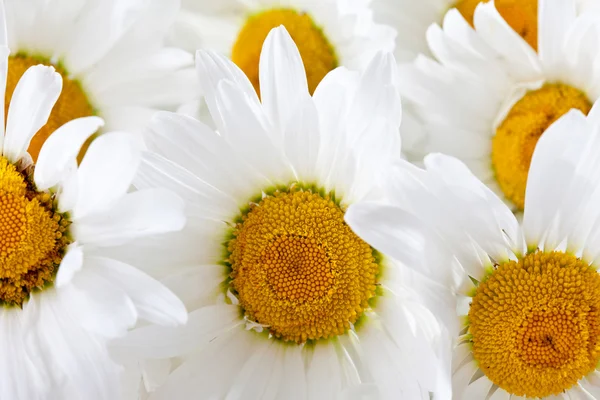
x=72, y=103
x=32, y=236
x=317, y=53
x=299, y=269
x=535, y=324
x=517, y=136
x=521, y=15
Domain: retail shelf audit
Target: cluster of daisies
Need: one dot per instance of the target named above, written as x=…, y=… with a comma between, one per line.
x=300, y=199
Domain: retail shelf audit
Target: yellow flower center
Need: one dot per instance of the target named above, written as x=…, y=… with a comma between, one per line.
x=521, y=15
x=33, y=236
x=517, y=136
x=299, y=269
x=535, y=324
x=317, y=53
x=72, y=103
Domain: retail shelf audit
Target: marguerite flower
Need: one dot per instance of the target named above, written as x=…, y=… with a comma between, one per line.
x=286, y=301
x=62, y=299
x=328, y=33
x=109, y=54
x=530, y=293
x=490, y=95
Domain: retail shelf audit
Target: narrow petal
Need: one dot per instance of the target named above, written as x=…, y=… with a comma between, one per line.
x=283, y=84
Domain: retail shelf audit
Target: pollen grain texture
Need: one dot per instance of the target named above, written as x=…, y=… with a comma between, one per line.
x=535, y=324
x=33, y=237
x=299, y=269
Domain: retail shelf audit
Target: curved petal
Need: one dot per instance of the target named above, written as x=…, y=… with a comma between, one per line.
x=70, y=264
x=152, y=300
x=400, y=235
x=213, y=68
x=31, y=104
x=521, y=58
x=548, y=214
x=61, y=148
x=106, y=173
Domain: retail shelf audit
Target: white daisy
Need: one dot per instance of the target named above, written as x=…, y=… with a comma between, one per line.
x=109, y=54
x=286, y=301
x=530, y=293
x=62, y=299
x=490, y=96
x=328, y=33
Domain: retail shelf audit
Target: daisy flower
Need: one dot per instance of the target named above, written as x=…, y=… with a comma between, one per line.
x=62, y=298
x=110, y=56
x=490, y=96
x=529, y=297
x=328, y=33
x=285, y=301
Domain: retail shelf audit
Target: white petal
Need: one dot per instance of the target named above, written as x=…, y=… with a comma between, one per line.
x=16, y=364
x=199, y=149
x=325, y=372
x=153, y=301
x=61, y=148
x=70, y=264
x=202, y=200
x=162, y=342
x=283, y=84
x=198, y=286
x=110, y=311
x=245, y=126
x=4, y=52
x=302, y=140
x=474, y=222
x=201, y=374
x=30, y=106
x=3, y=34
x=478, y=389
x=522, y=59
x=555, y=19
x=68, y=351
x=94, y=40
x=138, y=214
x=256, y=373
x=557, y=154
x=106, y=172
x=211, y=69
x=293, y=381
x=399, y=234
